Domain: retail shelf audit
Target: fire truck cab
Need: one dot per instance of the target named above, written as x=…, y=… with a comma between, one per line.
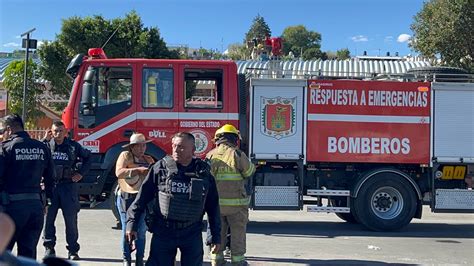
x=112, y=98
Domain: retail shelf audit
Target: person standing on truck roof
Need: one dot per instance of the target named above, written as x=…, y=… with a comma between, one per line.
x=131, y=169
x=182, y=190
x=66, y=154
x=23, y=162
x=231, y=167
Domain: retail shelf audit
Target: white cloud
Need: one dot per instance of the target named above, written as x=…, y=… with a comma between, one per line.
x=388, y=39
x=11, y=44
x=403, y=37
x=39, y=44
x=359, y=38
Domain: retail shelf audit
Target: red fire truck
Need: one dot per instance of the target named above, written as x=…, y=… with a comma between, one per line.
x=373, y=152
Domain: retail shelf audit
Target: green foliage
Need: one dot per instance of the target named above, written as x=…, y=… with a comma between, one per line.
x=443, y=29
x=13, y=82
x=302, y=42
x=259, y=29
x=237, y=51
x=343, y=54
x=77, y=35
x=208, y=54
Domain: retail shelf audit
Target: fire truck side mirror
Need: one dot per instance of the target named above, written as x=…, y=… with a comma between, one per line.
x=87, y=92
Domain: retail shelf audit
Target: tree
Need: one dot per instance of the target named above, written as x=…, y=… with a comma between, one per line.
x=302, y=42
x=13, y=82
x=443, y=29
x=237, y=51
x=343, y=54
x=259, y=30
x=78, y=34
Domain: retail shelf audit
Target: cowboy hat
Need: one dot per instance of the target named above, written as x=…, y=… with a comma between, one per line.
x=136, y=138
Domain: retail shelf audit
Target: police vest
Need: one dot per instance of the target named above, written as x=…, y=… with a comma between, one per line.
x=182, y=195
x=64, y=156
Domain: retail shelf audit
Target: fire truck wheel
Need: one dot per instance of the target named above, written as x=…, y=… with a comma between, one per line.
x=348, y=217
x=386, y=202
x=113, y=200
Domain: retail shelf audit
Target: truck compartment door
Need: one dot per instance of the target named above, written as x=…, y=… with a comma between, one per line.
x=453, y=122
x=276, y=119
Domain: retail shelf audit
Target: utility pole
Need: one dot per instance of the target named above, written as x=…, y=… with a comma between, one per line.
x=27, y=43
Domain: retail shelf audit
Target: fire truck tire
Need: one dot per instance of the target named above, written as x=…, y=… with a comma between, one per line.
x=386, y=202
x=348, y=217
x=113, y=200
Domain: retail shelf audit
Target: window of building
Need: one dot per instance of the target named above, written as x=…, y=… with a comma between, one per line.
x=157, y=87
x=203, y=88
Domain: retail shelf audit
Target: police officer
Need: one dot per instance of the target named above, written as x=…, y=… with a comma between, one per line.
x=66, y=154
x=231, y=168
x=182, y=188
x=24, y=162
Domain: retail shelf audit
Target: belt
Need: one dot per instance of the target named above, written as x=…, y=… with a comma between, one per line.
x=176, y=224
x=64, y=180
x=24, y=196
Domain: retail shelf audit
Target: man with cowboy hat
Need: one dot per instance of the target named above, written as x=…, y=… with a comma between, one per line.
x=131, y=169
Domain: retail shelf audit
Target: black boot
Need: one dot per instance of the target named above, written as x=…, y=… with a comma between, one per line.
x=139, y=261
x=127, y=262
x=49, y=252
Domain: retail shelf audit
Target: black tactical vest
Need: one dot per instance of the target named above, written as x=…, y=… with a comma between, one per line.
x=182, y=195
x=64, y=157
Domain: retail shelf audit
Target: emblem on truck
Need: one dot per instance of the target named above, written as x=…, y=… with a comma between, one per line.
x=278, y=117
x=202, y=141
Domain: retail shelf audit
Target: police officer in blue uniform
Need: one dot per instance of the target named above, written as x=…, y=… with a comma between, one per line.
x=66, y=154
x=24, y=162
x=182, y=190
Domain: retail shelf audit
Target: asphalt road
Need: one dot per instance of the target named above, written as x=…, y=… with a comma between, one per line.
x=301, y=238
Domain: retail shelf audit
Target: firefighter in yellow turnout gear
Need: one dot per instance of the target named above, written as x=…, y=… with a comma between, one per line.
x=231, y=169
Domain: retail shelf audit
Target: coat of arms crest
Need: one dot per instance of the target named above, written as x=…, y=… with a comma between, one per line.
x=278, y=117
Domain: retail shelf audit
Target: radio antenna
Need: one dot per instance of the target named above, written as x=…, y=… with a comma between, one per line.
x=106, y=42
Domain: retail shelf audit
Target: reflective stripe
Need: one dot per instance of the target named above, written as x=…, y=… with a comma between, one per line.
x=237, y=258
x=249, y=171
x=234, y=202
x=228, y=177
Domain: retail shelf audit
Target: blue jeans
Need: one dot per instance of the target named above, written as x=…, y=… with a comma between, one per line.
x=141, y=233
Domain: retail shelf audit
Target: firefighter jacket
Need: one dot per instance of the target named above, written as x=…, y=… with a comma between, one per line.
x=128, y=180
x=25, y=161
x=182, y=194
x=231, y=167
x=66, y=156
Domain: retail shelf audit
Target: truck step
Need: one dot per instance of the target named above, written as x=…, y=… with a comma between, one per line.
x=454, y=199
x=328, y=192
x=316, y=208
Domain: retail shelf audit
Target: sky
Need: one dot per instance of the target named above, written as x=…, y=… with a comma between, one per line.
x=375, y=26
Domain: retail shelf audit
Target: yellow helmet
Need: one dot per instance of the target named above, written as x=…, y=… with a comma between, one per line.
x=227, y=128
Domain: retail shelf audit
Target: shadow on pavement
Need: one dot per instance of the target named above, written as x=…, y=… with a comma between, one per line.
x=333, y=229
x=101, y=260
x=263, y=261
